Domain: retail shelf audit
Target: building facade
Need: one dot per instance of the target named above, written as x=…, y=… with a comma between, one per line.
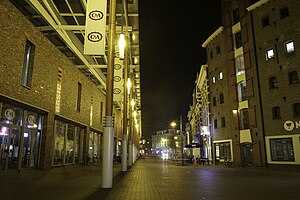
x=51, y=112
x=253, y=73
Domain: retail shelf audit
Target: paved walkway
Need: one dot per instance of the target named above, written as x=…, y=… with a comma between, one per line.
x=152, y=179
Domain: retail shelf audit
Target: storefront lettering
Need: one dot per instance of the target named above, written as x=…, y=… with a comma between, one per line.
x=9, y=114
x=290, y=125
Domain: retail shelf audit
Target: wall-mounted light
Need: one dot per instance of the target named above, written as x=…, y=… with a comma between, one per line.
x=122, y=44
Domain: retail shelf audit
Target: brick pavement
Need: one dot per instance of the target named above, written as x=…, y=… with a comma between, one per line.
x=152, y=179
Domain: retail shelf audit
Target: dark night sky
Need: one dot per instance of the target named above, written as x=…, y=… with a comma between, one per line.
x=171, y=35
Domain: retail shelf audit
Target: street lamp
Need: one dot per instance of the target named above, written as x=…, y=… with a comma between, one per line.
x=173, y=124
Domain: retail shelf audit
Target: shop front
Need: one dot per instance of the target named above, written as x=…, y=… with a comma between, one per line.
x=20, y=135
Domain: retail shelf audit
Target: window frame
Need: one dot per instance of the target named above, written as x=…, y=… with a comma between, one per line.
x=28, y=63
x=293, y=77
x=281, y=146
x=273, y=84
x=287, y=51
x=276, y=112
x=270, y=57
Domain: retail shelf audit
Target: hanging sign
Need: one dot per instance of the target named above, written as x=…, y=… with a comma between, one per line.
x=95, y=27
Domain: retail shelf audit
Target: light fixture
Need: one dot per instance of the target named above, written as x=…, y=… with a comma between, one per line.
x=122, y=44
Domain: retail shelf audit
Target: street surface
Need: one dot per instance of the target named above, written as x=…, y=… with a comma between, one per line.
x=152, y=179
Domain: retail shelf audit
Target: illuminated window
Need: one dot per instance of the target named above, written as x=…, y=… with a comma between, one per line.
x=289, y=47
x=244, y=119
x=239, y=65
x=270, y=54
x=282, y=149
x=220, y=75
x=28, y=64
x=242, y=93
x=214, y=79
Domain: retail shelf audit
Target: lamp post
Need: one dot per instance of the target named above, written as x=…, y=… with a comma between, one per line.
x=108, y=135
x=173, y=124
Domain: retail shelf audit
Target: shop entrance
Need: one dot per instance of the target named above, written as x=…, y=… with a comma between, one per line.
x=246, y=154
x=9, y=149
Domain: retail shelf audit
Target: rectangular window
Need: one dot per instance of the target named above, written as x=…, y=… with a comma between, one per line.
x=239, y=65
x=220, y=75
x=273, y=83
x=28, y=64
x=101, y=112
x=214, y=101
x=218, y=49
x=238, y=40
x=215, y=123
x=214, y=79
x=293, y=77
x=221, y=98
x=296, y=109
x=282, y=149
x=265, y=21
x=223, y=150
x=284, y=12
x=244, y=119
x=236, y=16
x=223, y=122
x=270, y=54
x=242, y=91
x=289, y=47
x=79, y=89
x=276, y=112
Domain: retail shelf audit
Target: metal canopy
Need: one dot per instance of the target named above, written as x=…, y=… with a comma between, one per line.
x=63, y=23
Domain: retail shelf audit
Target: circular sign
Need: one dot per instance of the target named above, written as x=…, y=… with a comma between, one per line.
x=117, y=91
x=117, y=66
x=9, y=114
x=31, y=119
x=289, y=125
x=117, y=78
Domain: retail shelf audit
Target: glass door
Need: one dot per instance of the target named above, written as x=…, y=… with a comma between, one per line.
x=30, y=148
x=9, y=150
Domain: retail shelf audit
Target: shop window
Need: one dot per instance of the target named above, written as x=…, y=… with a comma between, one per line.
x=239, y=65
x=220, y=75
x=244, y=119
x=242, y=91
x=215, y=123
x=223, y=150
x=296, y=109
x=270, y=54
x=238, y=40
x=236, y=16
x=223, y=121
x=289, y=47
x=284, y=12
x=293, y=77
x=282, y=149
x=28, y=64
x=214, y=101
x=276, y=112
x=79, y=88
x=265, y=21
x=221, y=98
x=273, y=82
